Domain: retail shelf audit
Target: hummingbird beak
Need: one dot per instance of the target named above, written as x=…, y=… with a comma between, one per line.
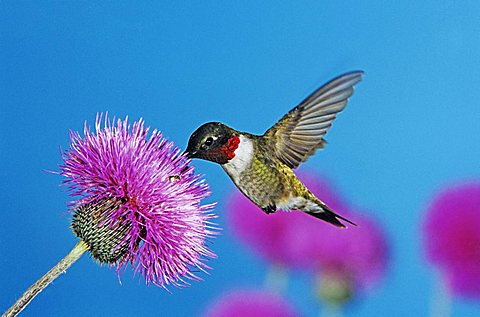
x=190, y=153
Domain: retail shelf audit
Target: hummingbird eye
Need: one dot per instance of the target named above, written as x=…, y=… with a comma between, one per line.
x=208, y=141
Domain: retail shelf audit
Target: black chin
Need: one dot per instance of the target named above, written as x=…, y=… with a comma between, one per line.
x=214, y=157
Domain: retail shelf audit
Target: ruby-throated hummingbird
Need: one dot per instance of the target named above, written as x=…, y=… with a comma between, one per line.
x=261, y=165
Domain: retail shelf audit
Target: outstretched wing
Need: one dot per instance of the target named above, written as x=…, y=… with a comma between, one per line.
x=300, y=132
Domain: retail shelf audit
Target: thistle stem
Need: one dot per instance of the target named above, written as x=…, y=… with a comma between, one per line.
x=331, y=310
x=276, y=279
x=441, y=301
x=46, y=279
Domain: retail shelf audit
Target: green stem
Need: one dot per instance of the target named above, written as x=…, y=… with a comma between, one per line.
x=331, y=310
x=440, y=305
x=276, y=279
x=46, y=279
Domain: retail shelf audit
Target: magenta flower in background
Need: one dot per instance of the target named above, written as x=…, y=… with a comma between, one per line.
x=452, y=237
x=267, y=234
x=261, y=232
x=358, y=254
x=251, y=303
x=346, y=259
x=152, y=194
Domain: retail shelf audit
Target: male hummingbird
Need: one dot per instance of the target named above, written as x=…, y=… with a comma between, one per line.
x=261, y=165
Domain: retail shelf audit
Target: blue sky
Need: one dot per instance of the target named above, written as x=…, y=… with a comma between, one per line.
x=412, y=126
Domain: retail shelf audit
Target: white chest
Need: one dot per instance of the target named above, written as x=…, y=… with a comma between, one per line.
x=242, y=160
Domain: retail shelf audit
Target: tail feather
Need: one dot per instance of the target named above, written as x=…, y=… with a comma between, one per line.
x=326, y=214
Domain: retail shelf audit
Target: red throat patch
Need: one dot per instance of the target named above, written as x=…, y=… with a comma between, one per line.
x=230, y=147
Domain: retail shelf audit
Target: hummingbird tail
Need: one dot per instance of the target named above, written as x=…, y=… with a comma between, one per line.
x=326, y=214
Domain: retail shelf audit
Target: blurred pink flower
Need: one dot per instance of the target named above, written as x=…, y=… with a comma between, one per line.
x=267, y=234
x=251, y=303
x=358, y=254
x=297, y=240
x=452, y=237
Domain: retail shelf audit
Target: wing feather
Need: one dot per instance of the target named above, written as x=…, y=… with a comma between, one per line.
x=300, y=132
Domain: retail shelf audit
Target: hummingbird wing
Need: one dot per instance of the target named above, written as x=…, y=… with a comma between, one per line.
x=300, y=132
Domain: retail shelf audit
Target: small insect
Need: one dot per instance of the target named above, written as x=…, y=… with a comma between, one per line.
x=174, y=178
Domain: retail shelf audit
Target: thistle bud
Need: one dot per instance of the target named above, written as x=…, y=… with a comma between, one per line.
x=106, y=241
x=334, y=289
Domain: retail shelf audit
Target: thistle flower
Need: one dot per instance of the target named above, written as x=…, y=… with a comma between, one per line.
x=278, y=238
x=345, y=259
x=452, y=238
x=348, y=261
x=359, y=255
x=251, y=303
x=138, y=203
x=164, y=226
x=262, y=233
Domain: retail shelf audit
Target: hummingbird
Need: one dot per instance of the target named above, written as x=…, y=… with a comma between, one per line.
x=261, y=166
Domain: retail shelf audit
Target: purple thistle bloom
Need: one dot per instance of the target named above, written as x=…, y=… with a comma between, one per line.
x=251, y=303
x=155, y=195
x=295, y=240
x=452, y=237
x=277, y=237
x=358, y=255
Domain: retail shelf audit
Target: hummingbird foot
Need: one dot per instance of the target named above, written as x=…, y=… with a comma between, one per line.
x=270, y=209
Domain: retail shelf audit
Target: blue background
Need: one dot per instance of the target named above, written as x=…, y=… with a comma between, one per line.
x=412, y=126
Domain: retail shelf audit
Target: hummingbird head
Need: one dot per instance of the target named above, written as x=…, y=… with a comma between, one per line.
x=213, y=141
